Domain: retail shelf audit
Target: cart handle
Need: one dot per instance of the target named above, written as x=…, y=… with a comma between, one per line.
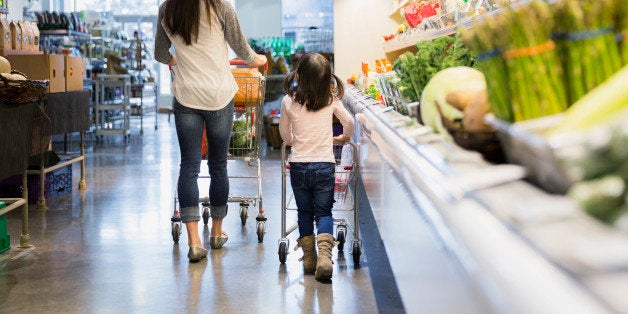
x=237, y=61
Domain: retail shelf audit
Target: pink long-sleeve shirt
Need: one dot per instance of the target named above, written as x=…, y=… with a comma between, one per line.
x=310, y=133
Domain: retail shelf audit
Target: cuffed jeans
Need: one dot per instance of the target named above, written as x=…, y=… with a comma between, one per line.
x=313, y=188
x=189, y=124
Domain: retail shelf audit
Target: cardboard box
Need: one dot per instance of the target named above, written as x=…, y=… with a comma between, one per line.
x=5, y=34
x=41, y=67
x=16, y=36
x=74, y=73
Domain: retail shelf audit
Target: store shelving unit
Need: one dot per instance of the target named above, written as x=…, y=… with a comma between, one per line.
x=407, y=41
x=145, y=102
x=112, y=105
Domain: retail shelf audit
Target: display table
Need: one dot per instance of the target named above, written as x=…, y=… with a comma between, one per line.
x=68, y=113
x=58, y=113
x=16, y=121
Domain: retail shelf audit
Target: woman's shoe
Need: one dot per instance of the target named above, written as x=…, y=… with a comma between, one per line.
x=218, y=242
x=196, y=253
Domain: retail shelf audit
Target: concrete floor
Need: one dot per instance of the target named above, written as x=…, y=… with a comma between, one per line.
x=109, y=249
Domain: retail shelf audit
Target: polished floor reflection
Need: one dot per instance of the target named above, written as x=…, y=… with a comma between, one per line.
x=109, y=250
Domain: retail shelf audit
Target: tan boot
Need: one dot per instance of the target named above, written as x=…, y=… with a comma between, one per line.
x=324, y=267
x=309, y=253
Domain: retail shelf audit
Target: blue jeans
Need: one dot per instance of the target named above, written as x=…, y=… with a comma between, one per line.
x=189, y=124
x=313, y=188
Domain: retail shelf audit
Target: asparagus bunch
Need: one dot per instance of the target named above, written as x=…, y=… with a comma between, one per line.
x=587, y=43
x=534, y=70
x=487, y=42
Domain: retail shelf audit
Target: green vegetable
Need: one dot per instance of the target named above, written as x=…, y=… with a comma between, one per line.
x=488, y=43
x=597, y=106
x=415, y=70
x=586, y=43
x=404, y=67
x=372, y=91
x=241, y=139
x=518, y=59
x=601, y=198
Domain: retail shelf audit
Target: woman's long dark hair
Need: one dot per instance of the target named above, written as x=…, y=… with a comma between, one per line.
x=182, y=17
x=310, y=84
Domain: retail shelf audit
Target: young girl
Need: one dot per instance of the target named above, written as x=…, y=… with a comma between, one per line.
x=313, y=98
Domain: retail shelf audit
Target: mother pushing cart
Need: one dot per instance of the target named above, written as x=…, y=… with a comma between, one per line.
x=204, y=89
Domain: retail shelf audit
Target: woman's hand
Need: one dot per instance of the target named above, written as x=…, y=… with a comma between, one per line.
x=259, y=61
x=173, y=62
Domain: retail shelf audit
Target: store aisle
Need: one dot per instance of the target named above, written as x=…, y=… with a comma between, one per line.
x=109, y=249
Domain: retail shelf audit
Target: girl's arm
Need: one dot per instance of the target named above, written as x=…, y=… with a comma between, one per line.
x=285, y=127
x=346, y=119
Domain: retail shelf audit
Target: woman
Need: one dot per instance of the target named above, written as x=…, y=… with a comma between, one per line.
x=199, y=31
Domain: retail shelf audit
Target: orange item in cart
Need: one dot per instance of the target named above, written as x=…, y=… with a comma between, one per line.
x=365, y=69
x=248, y=86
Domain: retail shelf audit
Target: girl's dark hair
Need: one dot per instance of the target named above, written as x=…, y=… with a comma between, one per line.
x=310, y=84
x=182, y=17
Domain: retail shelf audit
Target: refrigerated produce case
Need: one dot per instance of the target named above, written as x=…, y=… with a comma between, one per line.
x=520, y=249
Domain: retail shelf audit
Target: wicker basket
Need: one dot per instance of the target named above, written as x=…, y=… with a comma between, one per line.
x=17, y=92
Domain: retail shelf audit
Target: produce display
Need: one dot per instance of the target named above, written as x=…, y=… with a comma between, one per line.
x=529, y=61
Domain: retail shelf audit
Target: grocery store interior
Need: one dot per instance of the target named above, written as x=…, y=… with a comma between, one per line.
x=488, y=170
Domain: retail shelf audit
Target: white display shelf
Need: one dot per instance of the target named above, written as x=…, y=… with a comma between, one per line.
x=510, y=235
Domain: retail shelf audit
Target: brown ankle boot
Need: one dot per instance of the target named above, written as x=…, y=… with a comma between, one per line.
x=324, y=267
x=309, y=253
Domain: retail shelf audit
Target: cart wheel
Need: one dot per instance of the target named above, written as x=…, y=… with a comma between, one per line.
x=341, y=237
x=244, y=213
x=283, y=252
x=205, y=215
x=357, y=251
x=261, y=230
x=176, y=231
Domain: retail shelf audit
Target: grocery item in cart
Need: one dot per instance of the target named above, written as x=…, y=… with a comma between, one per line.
x=248, y=86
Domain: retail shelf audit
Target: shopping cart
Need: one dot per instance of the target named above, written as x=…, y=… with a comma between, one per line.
x=345, y=200
x=244, y=147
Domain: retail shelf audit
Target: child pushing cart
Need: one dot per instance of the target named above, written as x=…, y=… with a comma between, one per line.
x=312, y=99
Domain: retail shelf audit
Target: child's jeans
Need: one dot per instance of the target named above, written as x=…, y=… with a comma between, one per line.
x=190, y=124
x=313, y=188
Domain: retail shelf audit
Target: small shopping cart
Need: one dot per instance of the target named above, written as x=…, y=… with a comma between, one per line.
x=345, y=200
x=243, y=147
